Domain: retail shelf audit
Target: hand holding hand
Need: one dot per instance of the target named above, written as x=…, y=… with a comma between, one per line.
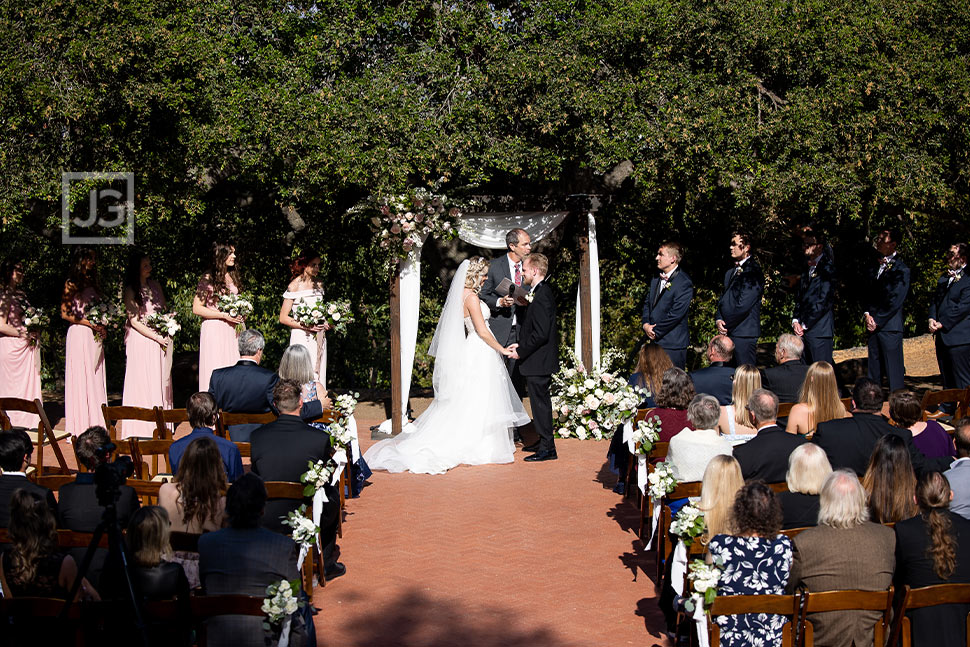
x=721, y=327
x=797, y=327
x=935, y=325
x=326, y=402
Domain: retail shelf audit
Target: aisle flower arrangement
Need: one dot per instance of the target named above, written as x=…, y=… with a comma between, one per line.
x=164, y=323
x=703, y=578
x=688, y=524
x=282, y=601
x=404, y=221
x=661, y=481
x=317, y=475
x=235, y=305
x=305, y=532
x=646, y=434
x=592, y=404
x=343, y=406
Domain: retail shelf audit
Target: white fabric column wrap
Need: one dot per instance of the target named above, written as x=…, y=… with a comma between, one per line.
x=594, y=298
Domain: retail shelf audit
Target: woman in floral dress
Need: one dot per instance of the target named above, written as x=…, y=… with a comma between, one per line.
x=218, y=347
x=306, y=286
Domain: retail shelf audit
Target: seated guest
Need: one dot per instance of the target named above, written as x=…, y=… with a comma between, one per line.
x=849, y=442
x=959, y=473
x=818, y=401
x=890, y=481
x=692, y=449
x=15, y=452
x=652, y=361
x=785, y=380
x=716, y=377
x=756, y=561
x=906, y=411
x=196, y=500
x=722, y=480
x=243, y=559
x=676, y=392
x=931, y=548
x=823, y=563
x=280, y=452
x=202, y=412
x=808, y=467
x=247, y=387
x=34, y=566
x=765, y=456
x=78, y=508
x=734, y=423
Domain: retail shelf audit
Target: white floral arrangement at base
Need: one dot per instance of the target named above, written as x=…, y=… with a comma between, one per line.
x=646, y=434
x=305, y=532
x=105, y=313
x=307, y=314
x=688, y=524
x=163, y=323
x=338, y=315
x=238, y=306
x=592, y=404
x=282, y=601
x=661, y=481
x=318, y=475
x=703, y=578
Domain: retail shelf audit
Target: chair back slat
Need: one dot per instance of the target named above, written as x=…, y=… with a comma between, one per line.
x=228, y=419
x=919, y=598
x=784, y=409
x=166, y=417
x=793, y=532
x=327, y=417
x=141, y=448
x=45, y=431
x=781, y=486
x=783, y=605
x=114, y=415
x=933, y=399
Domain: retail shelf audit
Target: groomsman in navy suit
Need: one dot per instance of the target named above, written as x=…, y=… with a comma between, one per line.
x=739, y=308
x=666, y=305
x=889, y=281
x=950, y=319
x=813, y=320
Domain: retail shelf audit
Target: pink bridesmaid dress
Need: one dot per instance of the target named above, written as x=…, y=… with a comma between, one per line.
x=148, y=371
x=19, y=363
x=218, y=346
x=84, y=385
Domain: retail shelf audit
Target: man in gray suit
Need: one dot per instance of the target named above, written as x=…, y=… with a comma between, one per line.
x=959, y=473
x=822, y=562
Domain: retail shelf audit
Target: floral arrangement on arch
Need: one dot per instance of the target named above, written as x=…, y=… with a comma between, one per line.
x=592, y=404
x=404, y=221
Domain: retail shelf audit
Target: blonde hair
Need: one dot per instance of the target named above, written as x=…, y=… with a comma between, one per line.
x=296, y=364
x=722, y=480
x=747, y=380
x=808, y=467
x=820, y=392
x=477, y=268
x=149, y=536
x=538, y=261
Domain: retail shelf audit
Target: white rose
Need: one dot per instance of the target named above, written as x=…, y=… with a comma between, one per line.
x=336, y=316
x=581, y=432
x=598, y=393
x=571, y=390
x=589, y=384
x=591, y=402
x=609, y=398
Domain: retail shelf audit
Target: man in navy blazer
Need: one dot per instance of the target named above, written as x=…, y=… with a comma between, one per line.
x=739, y=308
x=813, y=319
x=950, y=319
x=889, y=284
x=247, y=387
x=785, y=380
x=718, y=378
x=665, y=309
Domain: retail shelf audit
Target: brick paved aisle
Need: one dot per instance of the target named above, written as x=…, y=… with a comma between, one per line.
x=495, y=555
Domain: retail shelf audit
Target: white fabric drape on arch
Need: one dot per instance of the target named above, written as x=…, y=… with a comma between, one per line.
x=485, y=230
x=594, y=298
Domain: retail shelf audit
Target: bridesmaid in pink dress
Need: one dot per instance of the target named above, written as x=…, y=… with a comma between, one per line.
x=148, y=372
x=217, y=341
x=84, y=385
x=306, y=285
x=19, y=350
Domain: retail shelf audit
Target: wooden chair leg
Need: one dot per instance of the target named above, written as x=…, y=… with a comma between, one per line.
x=344, y=484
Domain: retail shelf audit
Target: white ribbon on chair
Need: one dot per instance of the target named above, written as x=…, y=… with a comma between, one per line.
x=641, y=458
x=654, y=530
x=285, y=632
x=678, y=569
x=340, y=458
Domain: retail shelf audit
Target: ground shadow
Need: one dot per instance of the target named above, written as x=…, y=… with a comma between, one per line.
x=416, y=618
x=626, y=514
x=605, y=476
x=653, y=619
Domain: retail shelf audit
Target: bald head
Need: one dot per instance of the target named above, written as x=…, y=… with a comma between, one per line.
x=763, y=405
x=721, y=349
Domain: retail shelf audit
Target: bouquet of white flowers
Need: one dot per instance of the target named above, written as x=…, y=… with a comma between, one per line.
x=307, y=314
x=282, y=601
x=688, y=524
x=661, y=481
x=239, y=306
x=703, y=578
x=164, y=323
x=592, y=404
x=338, y=315
x=305, y=532
x=646, y=434
x=346, y=404
x=105, y=313
x=318, y=475
x=404, y=221
x=34, y=321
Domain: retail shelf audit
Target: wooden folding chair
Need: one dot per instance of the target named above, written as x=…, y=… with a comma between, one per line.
x=781, y=486
x=933, y=399
x=847, y=601
x=664, y=546
x=227, y=419
x=926, y=596
x=115, y=415
x=142, y=448
x=38, y=621
x=147, y=491
x=729, y=605
x=791, y=533
x=166, y=417
x=43, y=435
x=847, y=403
x=784, y=409
x=205, y=607
x=641, y=416
x=658, y=453
x=294, y=492
x=55, y=481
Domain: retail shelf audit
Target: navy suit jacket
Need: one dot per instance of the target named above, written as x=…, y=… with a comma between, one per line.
x=740, y=304
x=538, y=339
x=717, y=380
x=765, y=456
x=785, y=380
x=951, y=307
x=500, y=323
x=887, y=294
x=667, y=309
x=816, y=297
x=247, y=387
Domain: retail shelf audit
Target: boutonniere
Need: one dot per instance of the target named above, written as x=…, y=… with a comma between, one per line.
x=668, y=284
x=812, y=271
x=529, y=297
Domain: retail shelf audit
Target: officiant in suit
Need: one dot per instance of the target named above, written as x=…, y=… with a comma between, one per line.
x=505, y=321
x=950, y=319
x=739, y=308
x=536, y=352
x=665, y=319
x=889, y=285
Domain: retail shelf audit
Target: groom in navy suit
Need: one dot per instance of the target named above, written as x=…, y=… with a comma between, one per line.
x=950, y=319
x=536, y=353
x=889, y=284
x=665, y=308
x=739, y=308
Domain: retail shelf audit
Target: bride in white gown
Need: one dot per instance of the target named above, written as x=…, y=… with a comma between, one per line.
x=475, y=407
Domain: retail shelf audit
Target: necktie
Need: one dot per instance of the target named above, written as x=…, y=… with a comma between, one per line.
x=518, y=273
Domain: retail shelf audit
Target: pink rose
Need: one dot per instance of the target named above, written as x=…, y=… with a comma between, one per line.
x=395, y=228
